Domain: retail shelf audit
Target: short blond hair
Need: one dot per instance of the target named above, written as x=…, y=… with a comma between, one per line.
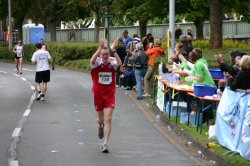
x=245, y=62
x=157, y=42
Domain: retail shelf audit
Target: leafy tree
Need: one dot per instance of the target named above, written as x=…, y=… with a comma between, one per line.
x=3, y=9
x=198, y=12
x=242, y=7
x=98, y=8
x=142, y=11
x=19, y=12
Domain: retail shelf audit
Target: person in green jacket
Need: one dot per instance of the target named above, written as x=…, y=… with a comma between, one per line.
x=201, y=74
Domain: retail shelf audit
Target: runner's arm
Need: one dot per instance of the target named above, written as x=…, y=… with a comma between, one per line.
x=97, y=53
x=119, y=62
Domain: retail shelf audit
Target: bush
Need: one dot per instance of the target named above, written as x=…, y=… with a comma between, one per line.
x=6, y=54
x=61, y=52
x=68, y=51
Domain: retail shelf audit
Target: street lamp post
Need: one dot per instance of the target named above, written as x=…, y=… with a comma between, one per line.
x=107, y=16
x=172, y=25
x=10, y=25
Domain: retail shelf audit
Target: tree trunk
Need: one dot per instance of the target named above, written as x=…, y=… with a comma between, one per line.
x=52, y=27
x=97, y=27
x=215, y=24
x=199, y=29
x=143, y=28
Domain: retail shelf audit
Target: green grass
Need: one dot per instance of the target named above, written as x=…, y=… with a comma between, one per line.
x=202, y=138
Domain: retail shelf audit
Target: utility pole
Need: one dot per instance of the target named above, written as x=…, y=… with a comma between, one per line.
x=106, y=31
x=172, y=25
x=10, y=25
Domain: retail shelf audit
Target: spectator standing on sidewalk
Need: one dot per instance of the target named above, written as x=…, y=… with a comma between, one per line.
x=103, y=68
x=178, y=31
x=19, y=52
x=126, y=39
x=153, y=52
x=42, y=59
x=139, y=71
x=121, y=51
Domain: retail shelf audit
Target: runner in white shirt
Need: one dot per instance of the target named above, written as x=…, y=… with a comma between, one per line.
x=19, y=52
x=42, y=58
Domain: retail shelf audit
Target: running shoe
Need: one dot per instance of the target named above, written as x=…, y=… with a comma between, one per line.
x=104, y=148
x=38, y=97
x=146, y=95
x=21, y=72
x=100, y=132
x=42, y=97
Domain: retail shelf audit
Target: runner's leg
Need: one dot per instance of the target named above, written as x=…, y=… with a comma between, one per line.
x=20, y=65
x=16, y=61
x=107, y=126
x=44, y=88
x=100, y=117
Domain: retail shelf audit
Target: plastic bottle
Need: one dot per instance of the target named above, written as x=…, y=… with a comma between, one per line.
x=160, y=72
x=218, y=91
x=158, y=118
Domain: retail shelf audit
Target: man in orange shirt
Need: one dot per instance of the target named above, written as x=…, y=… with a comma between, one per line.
x=153, y=52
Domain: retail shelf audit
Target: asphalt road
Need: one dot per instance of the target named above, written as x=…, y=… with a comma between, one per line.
x=62, y=130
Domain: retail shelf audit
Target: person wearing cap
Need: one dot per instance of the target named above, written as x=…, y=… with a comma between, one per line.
x=19, y=52
x=42, y=59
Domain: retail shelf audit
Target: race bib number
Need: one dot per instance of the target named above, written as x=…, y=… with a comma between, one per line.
x=105, y=78
x=19, y=54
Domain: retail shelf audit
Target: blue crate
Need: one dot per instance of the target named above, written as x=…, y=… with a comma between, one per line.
x=216, y=73
x=204, y=90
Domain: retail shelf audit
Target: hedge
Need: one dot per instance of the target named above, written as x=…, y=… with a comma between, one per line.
x=61, y=52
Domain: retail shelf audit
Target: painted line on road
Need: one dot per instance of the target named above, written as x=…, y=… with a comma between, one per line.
x=24, y=79
x=28, y=69
x=16, y=75
x=16, y=132
x=26, y=113
x=13, y=163
x=3, y=72
x=32, y=88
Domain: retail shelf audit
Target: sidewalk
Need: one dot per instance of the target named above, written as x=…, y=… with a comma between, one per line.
x=176, y=135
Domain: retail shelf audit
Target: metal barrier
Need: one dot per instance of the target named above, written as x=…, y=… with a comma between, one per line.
x=230, y=29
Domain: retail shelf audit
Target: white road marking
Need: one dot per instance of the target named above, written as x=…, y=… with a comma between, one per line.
x=33, y=88
x=24, y=79
x=54, y=151
x=16, y=75
x=16, y=132
x=3, y=72
x=28, y=69
x=80, y=130
x=80, y=143
x=13, y=163
x=26, y=113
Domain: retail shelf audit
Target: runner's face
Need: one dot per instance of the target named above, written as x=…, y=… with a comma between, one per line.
x=105, y=55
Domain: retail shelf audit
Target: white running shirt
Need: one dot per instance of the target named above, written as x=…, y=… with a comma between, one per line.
x=19, y=51
x=41, y=57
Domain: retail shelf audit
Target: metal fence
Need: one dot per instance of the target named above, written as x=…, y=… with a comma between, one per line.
x=230, y=29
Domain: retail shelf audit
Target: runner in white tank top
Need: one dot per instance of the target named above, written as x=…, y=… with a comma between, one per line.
x=19, y=52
